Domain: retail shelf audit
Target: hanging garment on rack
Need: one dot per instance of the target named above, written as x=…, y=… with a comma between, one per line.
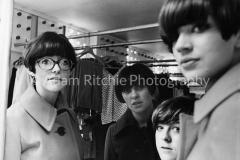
x=177, y=92
x=89, y=142
x=85, y=86
x=164, y=86
x=16, y=64
x=112, y=109
x=88, y=50
x=11, y=86
x=22, y=82
x=99, y=132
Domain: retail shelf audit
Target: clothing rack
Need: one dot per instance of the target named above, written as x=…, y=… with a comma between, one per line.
x=106, y=45
x=162, y=65
x=90, y=34
x=152, y=61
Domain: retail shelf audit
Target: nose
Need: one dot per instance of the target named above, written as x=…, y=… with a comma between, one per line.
x=183, y=44
x=134, y=94
x=166, y=136
x=56, y=68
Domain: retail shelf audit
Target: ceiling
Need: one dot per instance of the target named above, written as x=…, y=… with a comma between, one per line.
x=103, y=15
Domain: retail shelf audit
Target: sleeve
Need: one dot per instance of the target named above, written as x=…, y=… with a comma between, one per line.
x=109, y=153
x=12, y=150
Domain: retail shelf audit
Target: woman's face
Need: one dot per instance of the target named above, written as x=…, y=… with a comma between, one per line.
x=201, y=52
x=138, y=99
x=52, y=80
x=167, y=140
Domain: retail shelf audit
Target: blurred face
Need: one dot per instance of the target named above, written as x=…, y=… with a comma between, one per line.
x=167, y=140
x=52, y=80
x=201, y=52
x=138, y=99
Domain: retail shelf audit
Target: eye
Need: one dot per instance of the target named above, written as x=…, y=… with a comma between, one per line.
x=159, y=128
x=46, y=61
x=176, y=129
x=126, y=90
x=199, y=28
x=65, y=62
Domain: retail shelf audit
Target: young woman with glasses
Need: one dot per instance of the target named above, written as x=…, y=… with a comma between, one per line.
x=41, y=125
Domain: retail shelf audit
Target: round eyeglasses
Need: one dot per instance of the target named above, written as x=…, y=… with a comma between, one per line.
x=48, y=64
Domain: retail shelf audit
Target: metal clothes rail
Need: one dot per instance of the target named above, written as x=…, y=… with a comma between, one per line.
x=153, y=61
x=114, y=31
x=162, y=65
x=121, y=44
x=107, y=45
x=90, y=34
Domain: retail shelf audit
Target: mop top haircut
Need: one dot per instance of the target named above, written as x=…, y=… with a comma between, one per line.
x=48, y=44
x=177, y=13
x=168, y=111
x=137, y=75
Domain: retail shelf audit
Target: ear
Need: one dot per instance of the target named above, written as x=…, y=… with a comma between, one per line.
x=30, y=73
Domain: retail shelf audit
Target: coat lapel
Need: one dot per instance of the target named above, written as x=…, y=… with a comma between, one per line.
x=41, y=111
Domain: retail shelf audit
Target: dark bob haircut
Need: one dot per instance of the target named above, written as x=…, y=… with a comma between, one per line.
x=135, y=75
x=48, y=44
x=177, y=13
x=168, y=111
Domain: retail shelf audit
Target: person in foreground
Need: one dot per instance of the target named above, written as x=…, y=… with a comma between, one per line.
x=204, y=37
x=132, y=136
x=40, y=126
x=166, y=123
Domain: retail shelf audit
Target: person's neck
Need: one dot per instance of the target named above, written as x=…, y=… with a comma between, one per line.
x=50, y=97
x=143, y=117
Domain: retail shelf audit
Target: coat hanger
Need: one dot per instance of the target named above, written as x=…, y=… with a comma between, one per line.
x=18, y=62
x=89, y=50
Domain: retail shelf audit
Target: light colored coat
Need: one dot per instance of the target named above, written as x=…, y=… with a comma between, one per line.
x=33, y=130
x=217, y=119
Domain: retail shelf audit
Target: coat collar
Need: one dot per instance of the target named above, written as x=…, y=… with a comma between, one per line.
x=125, y=121
x=228, y=84
x=39, y=109
x=128, y=121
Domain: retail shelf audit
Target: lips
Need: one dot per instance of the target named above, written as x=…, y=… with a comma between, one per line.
x=55, y=78
x=187, y=60
x=138, y=102
x=188, y=63
x=166, y=148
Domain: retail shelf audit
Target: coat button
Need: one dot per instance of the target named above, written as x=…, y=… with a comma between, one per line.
x=61, y=131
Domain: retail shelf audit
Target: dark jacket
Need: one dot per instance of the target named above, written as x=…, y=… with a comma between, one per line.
x=126, y=141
